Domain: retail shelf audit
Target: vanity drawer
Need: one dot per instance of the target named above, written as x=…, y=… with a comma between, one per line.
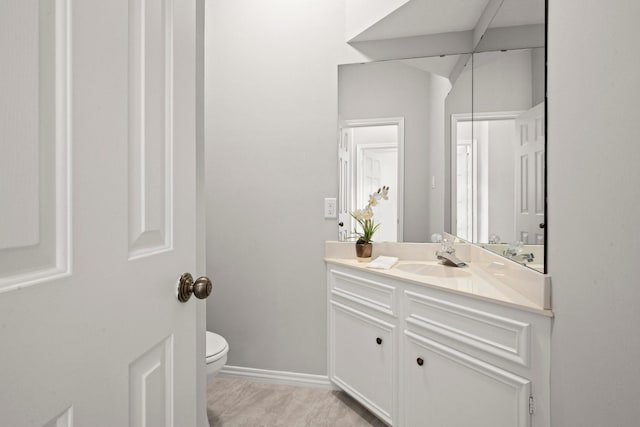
x=500, y=336
x=368, y=292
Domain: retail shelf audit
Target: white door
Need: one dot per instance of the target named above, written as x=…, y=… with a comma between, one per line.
x=377, y=166
x=97, y=212
x=529, y=182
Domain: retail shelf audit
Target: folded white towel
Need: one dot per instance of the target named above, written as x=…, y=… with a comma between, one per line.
x=383, y=262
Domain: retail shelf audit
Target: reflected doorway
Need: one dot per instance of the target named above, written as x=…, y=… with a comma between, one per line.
x=486, y=172
x=493, y=183
x=370, y=156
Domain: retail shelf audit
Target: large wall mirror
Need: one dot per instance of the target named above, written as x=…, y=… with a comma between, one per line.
x=460, y=139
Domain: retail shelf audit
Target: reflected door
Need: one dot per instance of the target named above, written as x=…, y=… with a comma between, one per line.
x=97, y=135
x=377, y=167
x=529, y=164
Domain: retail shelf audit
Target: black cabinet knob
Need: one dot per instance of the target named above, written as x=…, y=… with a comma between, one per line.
x=420, y=361
x=541, y=225
x=379, y=340
x=341, y=224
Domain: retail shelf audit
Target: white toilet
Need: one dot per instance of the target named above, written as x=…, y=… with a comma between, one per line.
x=217, y=349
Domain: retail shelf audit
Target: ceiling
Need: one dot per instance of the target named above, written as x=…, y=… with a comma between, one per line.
x=427, y=17
x=424, y=17
x=519, y=12
x=440, y=65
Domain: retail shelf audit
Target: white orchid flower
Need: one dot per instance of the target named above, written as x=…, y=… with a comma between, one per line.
x=384, y=193
x=365, y=216
x=358, y=214
x=367, y=213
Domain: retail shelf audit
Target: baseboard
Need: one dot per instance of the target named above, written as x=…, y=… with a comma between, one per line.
x=277, y=377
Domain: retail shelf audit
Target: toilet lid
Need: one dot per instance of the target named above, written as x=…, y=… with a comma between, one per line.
x=215, y=344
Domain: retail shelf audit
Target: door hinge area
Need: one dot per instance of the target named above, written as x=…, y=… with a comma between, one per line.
x=531, y=407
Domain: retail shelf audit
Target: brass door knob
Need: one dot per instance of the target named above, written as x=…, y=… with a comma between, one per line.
x=201, y=287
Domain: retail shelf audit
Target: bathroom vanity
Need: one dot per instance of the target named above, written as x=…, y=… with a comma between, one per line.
x=425, y=344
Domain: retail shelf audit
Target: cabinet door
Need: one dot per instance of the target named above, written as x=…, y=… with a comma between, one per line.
x=447, y=388
x=361, y=358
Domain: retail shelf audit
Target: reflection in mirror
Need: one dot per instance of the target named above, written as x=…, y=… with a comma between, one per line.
x=471, y=162
x=499, y=156
x=517, y=24
x=404, y=99
x=369, y=160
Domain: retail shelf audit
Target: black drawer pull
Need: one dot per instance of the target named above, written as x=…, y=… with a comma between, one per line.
x=379, y=340
x=420, y=361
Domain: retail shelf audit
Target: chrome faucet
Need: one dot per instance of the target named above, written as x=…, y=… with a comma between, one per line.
x=510, y=252
x=527, y=257
x=447, y=255
x=515, y=251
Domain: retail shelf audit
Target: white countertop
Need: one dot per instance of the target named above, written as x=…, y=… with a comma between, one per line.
x=486, y=280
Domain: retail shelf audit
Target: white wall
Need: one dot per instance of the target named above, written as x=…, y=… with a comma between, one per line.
x=271, y=152
x=458, y=101
x=502, y=81
x=594, y=211
x=439, y=88
x=501, y=176
x=537, y=76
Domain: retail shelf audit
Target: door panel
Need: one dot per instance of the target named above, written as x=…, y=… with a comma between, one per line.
x=150, y=387
x=450, y=388
x=34, y=148
x=362, y=358
x=150, y=131
x=530, y=172
x=92, y=331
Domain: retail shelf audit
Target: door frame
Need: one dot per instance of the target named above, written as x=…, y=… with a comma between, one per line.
x=201, y=215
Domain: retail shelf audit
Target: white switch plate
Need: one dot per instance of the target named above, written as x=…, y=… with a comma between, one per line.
x=330, y=207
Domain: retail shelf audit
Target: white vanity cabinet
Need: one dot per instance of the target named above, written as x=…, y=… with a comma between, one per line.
x=445, y=358
x=363, y=341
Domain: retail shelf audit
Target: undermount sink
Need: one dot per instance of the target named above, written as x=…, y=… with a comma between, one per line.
x=432, y=270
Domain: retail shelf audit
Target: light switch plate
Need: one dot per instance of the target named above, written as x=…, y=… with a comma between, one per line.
x=330, y=207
